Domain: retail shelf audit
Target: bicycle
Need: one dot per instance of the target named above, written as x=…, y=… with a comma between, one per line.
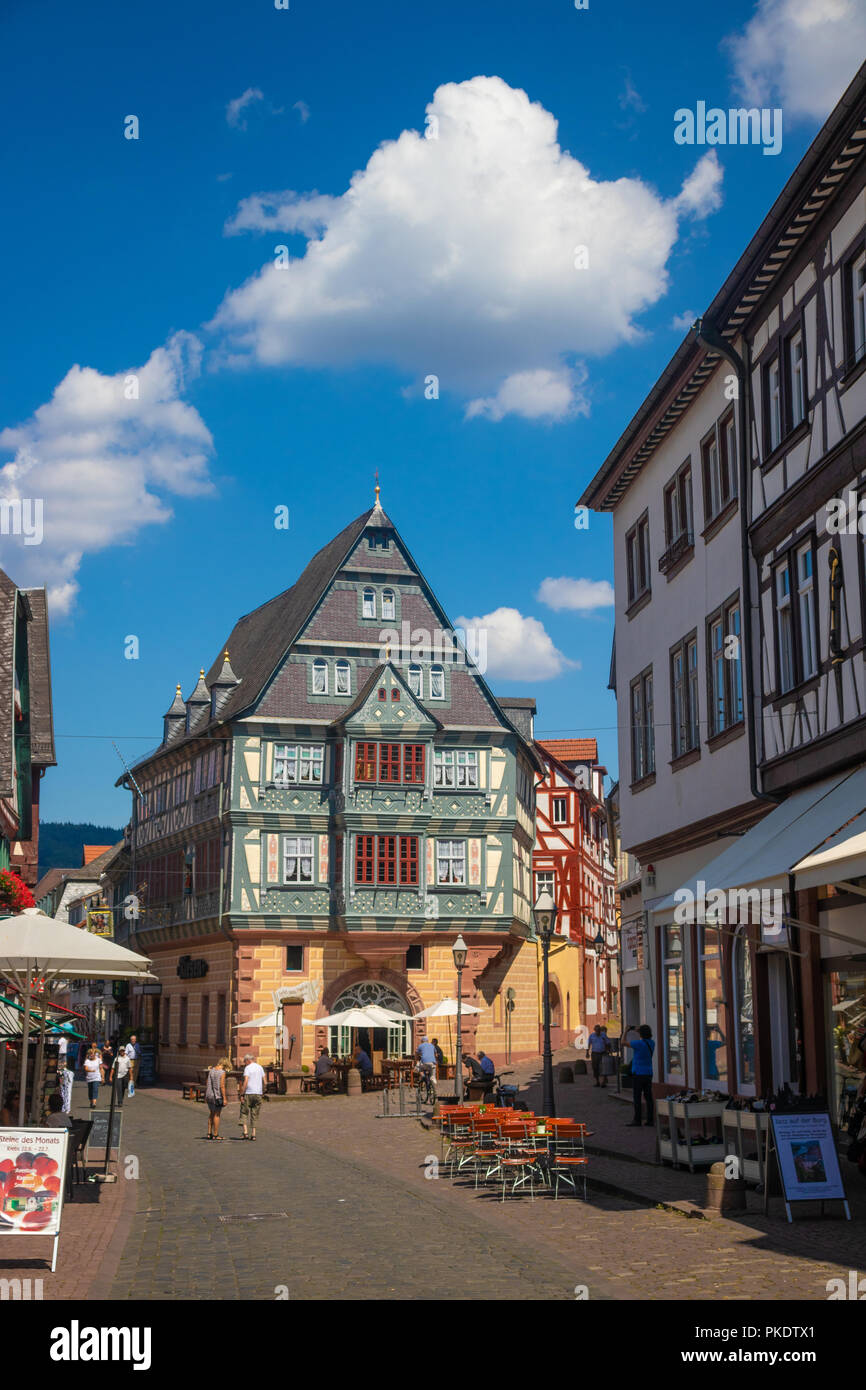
x=426, y=1084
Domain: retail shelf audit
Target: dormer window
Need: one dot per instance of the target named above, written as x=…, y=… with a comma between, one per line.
x=415, y=679
x=368, y=604
x=437, y=683
x=320, y=677
x=389, y=610
x=342, y=678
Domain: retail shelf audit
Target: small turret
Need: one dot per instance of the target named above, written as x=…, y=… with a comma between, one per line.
x=198, y=700
x=222, y=686
x=174, y=719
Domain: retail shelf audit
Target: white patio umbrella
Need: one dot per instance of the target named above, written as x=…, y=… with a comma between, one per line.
x=349, y=1018
x=447, y=1008
x=34, y=946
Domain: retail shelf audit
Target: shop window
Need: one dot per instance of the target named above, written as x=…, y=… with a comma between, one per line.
x=674, y=1002
x=744, y=1007
x=714, y=1010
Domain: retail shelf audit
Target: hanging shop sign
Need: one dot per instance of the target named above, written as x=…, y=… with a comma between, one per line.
x=189, y=969
x=100, y=921
x=32, y=1183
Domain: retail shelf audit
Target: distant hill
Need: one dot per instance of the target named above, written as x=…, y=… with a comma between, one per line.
x=61, y=843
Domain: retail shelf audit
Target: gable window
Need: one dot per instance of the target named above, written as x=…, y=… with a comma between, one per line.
x=796, y=621
x=415, y=681
x=544, y=883
x=320, y=677
x=560, y=810
x=437, y=683
x=368, y=604
x=855, y=309
x=637, y=555
x=450, y=861
x=684, y=697
x=386, y=860
x=294, y=763
x=297, y=859
x=796, y=380
x=395, y=694
x=389, y=762
x=643, y=753
x=718, y=457
x=342, y=678
x=389, y=609
x=413, y=763
x=725, y=668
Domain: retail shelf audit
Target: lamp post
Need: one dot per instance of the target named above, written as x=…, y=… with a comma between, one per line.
x=459, y=951
x=544, y=917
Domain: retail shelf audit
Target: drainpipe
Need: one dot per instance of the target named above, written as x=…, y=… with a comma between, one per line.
x=707, y=334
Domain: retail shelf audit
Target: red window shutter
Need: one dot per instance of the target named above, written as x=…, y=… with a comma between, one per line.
x=365, y=762
x=364, y=859
x=386, y=859
x=413, y=763
x=389, y=762
x=408, y=859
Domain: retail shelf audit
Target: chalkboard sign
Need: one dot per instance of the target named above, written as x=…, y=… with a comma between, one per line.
x=147, y=1065
x=99, y=1133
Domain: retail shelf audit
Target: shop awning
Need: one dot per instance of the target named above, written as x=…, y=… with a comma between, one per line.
x=791, y=836
x=840, y=858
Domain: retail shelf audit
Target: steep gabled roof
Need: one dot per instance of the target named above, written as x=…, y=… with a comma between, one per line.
x=370, y=685
x=39, y=662
x=571, y=750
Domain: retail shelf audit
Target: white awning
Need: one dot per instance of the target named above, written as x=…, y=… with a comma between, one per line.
x=783, y=841
x=840, y=858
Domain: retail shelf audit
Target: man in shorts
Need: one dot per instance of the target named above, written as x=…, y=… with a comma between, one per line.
x=251, y=1092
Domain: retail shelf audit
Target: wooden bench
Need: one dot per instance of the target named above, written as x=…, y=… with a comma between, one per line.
x=193, y=1090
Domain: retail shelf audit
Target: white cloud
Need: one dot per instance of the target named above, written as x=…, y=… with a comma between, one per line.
x=455, y=255
x=630, y=98
x=702, y=191
x=518, y=648
x=800, y=54
x=303, y=111
x=101, y=463
x=236, y=107
x=580, y=595
x=537, y=395
x=683, y=322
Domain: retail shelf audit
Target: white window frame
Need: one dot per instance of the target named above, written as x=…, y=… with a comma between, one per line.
x=437, y=677
x=320, y=676
x=787, y=673
x=368, y=603
x=389, y=605
x=444, y=767
x=545, y=881
x=467, y=768
x=797, y=368
x=342, y=678
x=807, y=627
x=774, y=403
x=304, y=764
x=452, y=855
x=415, y=680
x=294, y=847
x=558, y=803
x=858, y=305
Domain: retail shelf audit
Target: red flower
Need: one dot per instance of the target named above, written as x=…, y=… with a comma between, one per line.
x=14, y=895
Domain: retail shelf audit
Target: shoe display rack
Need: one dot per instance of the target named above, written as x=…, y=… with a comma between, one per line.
x=690, y=1132
x=745, y=1134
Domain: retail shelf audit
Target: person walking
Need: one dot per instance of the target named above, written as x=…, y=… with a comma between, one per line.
x=642, y=1049
x=133, y=1052
x=251, y=1092
x=215, y=1096
x=122, y=1068
x=93, y=1075
x=597, y=1046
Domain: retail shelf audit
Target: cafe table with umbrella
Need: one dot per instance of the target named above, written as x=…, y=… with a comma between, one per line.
x=35, y=947
x=447, y=1008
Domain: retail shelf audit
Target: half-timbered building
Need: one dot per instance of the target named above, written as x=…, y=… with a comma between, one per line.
x=571, y=860
x=336, y=800
x=740, y=586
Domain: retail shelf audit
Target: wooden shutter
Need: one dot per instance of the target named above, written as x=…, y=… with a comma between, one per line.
x=413, y=763
x=364, y=859
x=408, y=859
x=386, y=859
x=365, y=762
x=389, y=762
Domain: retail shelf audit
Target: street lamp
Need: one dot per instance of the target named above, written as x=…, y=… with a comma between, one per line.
x=544, y=917
x=459, y=951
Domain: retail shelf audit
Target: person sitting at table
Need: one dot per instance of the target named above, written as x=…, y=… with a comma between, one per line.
x=488, y=1067
x=476, y=1072
x=362, y=1061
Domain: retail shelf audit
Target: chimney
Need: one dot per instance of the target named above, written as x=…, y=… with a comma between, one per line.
x=198, y=700
x=174, y=719
x=222, y=686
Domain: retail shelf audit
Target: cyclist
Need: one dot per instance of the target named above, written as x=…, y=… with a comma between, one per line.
x=426, y=1054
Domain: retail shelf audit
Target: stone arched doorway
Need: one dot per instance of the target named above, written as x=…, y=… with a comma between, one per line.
x=396, y=1040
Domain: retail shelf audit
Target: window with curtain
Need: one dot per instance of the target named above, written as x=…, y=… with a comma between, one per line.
x=342, y=678
x=320, y=677
x=388, y=605
x=450, y=861
x=415, y=681
x=437, y=683
x=368, y=604
x=297, y=859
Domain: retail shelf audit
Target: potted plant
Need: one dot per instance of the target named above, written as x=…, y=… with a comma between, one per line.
x=14, y=894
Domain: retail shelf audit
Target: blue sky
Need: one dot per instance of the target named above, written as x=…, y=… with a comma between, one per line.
x=261, y=388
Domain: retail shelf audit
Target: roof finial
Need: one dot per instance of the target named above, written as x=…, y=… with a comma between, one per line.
x=377, y=487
